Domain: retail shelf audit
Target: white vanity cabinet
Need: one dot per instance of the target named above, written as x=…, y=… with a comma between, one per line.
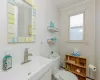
x=46, y=76
x=38, y=69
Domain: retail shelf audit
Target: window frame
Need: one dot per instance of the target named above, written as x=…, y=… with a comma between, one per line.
x=73, y=14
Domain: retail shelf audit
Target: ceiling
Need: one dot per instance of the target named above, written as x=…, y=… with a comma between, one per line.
x=61, y=4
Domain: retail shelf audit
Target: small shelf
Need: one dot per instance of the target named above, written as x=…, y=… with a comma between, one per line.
x=49, y=41
x=78, y=74
x=76, y=56
x=75, y=64
x=52, y=29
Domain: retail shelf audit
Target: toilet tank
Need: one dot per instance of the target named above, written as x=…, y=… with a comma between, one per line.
x=56, y=62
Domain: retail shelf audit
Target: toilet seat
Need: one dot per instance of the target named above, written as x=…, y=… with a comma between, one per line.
x=65, y=75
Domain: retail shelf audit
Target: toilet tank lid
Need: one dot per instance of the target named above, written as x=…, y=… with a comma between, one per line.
x=65, y=75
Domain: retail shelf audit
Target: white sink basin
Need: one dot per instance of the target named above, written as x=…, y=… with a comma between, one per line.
x=29, y=71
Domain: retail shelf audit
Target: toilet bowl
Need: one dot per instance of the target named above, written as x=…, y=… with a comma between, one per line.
x=60, y=74
x=65, y=75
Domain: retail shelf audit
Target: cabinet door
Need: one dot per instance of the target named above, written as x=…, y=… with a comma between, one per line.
x=46, y=76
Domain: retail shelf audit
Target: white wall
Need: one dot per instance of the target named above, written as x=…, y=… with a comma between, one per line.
x=87, y=49
x=46, y=11
x=98, y=38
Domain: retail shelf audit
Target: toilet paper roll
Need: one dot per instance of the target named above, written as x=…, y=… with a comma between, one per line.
x=92, y=67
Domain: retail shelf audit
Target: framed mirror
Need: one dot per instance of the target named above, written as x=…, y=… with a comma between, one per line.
x=21, y=21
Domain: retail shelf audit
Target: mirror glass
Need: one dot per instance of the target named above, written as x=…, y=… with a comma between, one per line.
x=21, y=21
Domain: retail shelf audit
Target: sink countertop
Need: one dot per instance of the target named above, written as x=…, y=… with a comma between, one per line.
x=36, y=68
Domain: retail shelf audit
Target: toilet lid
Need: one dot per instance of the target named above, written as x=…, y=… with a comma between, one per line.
x=65, y=75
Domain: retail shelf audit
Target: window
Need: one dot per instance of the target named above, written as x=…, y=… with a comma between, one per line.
x=76, y=32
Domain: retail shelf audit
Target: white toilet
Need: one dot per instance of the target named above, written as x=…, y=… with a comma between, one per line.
x=60, y=74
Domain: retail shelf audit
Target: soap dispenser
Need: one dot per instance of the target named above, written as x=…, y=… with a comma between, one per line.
x=7, y=62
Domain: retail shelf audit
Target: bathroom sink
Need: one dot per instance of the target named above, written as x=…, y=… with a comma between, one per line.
x=29, y=71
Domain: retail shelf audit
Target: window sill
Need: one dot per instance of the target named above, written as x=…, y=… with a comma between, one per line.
x=76, y=41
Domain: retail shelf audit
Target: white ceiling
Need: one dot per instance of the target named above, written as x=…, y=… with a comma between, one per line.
x=61, y=4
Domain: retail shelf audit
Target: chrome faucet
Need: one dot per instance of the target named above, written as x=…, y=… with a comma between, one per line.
x=26, y=54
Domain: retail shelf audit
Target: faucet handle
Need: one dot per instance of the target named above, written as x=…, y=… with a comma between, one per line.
x=30, y=54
